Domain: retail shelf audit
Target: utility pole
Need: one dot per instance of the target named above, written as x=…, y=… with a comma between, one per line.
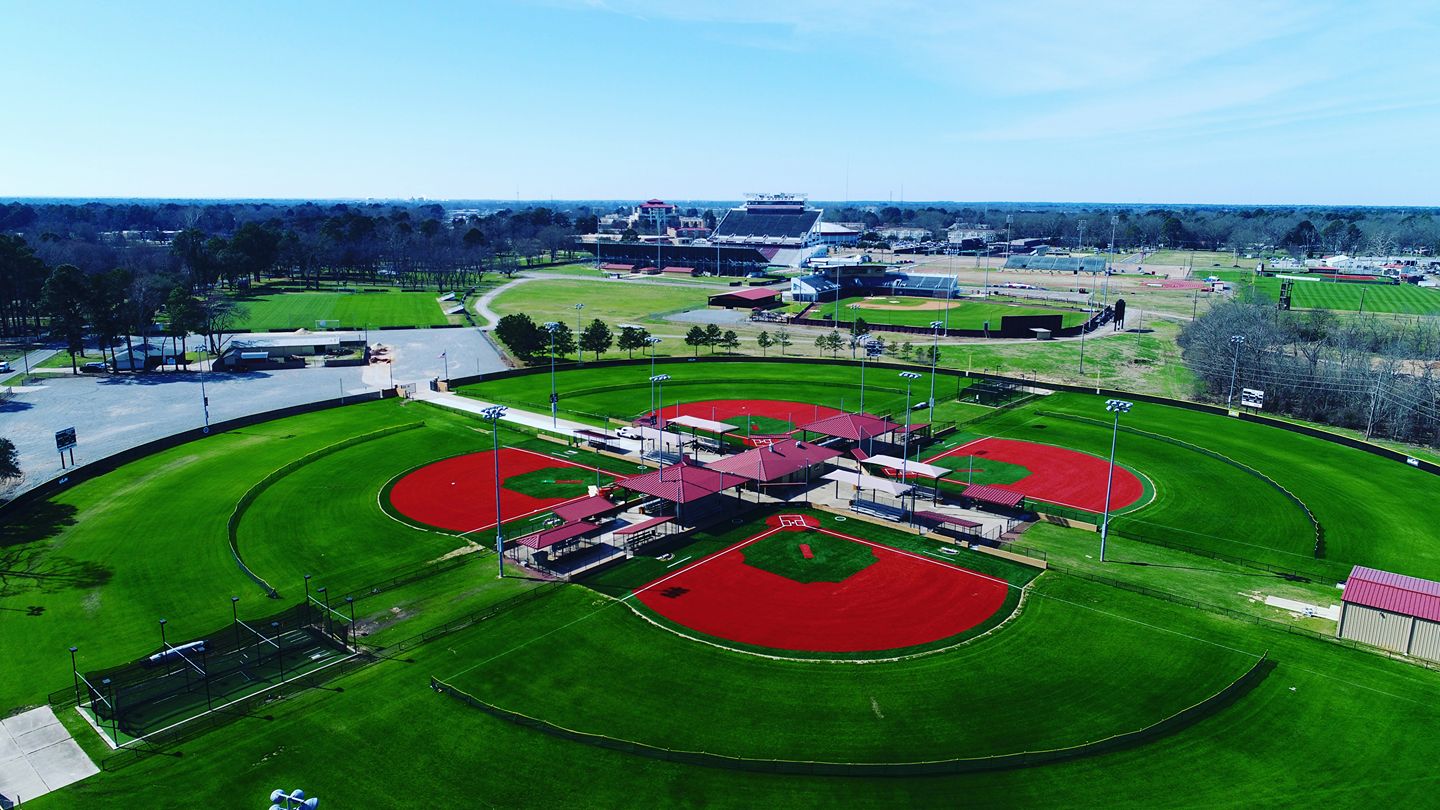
x=1237, y=341
x=1117, y=407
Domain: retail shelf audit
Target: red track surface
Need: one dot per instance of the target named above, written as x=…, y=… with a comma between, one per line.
x=1057, y=475
x=899, y=601
x=458, y=494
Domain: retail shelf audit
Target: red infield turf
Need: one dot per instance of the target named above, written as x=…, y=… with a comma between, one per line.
x=734, y=411
x=1067, y=477
x=901, y=600
x=458, y=494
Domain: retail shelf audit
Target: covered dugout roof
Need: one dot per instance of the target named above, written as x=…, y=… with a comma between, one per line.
x=941, y=518
x=584, y=508
x=559, y=534
x=913, y=467
x=635, y=528
x=1397, y=593
x=683, y=483
x=853, y=426
x=707, y=425
x=774, y=462
x=993, y=495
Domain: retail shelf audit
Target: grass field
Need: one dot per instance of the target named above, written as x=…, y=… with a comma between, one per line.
x=913, y=311
x=611, y=301
x=1399, y=299
x=1329, y=727
x=297, y=310
x=594, y=393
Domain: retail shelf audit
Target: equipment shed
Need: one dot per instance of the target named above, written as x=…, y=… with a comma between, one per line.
x=1394, y=611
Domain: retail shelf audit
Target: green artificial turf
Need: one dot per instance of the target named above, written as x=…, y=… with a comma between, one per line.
x=833, y=559
x=1399, y=299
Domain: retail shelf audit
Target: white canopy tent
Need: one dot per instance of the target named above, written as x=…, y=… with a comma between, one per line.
x=912, y=467
x=697, y=423
x=864, y=481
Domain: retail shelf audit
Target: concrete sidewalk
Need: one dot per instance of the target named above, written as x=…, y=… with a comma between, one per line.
x=564, y=427
x=38, y=755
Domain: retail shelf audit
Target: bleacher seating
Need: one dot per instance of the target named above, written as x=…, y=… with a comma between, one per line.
x=877, y=509
x=1058, y=264
x=740, y=224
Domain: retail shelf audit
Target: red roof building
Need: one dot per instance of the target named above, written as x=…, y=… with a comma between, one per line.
x=747, y=297
x=853, y=426
x=1393, y=611
x=772, y=463
x=585, y=508
x=994, y=496
x=549, y=537
x=685, y=482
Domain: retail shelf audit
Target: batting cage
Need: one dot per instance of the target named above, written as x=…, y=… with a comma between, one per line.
x=182, y=681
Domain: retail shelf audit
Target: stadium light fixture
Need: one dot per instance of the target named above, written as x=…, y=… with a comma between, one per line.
x=493, y=413
x=935, y=327
x=551, y=326
x=652, y=342
x=1117, y=407
x=657, y=384
x=294, y=800
x=1237, y=341
x=873, y=348
x=909, y=377
x=579, y=352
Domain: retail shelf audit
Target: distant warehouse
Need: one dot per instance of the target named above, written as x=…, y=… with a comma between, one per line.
x=1393, y=611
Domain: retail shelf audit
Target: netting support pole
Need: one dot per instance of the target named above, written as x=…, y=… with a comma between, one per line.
x=235, y=619
x=114, y=711
x=351, y=640
x=205, y=665
x=75, y=675
x=279, y=649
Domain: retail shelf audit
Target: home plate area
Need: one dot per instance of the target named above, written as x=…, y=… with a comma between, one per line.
x=800, y=587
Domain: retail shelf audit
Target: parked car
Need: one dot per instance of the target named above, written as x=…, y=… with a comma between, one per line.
x=95, y=368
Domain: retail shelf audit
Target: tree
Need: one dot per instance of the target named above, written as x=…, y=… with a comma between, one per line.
x=782, y=339
x=906, y=349
x=629, y=235
x=831, y=342
x=218, y=313
x=183, y=316
x=521, y=335
x=632, y=338
x=695, y=338
x=105, y=302
x=63, y=299
x=9, y=461
x=713, y=336
x=859, y=326
x=730, y=341
x=764, y=341
x=597, y=338
x=564, y=339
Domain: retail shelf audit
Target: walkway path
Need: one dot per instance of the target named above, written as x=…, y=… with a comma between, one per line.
x=538, y=421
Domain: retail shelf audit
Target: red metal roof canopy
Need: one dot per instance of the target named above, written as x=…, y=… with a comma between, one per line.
x=852, y=426
x=549, y=537
x=682, y=483
x=775, y=461
x=584, y=508
x=748, y=294
x=642, y=525
x=1397, y=593
x=940, y=517
x=993, y=495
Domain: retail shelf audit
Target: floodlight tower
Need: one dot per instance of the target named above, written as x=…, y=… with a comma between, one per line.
x=1117, y=407
x=873, y=349
x=1237, y=341
x=652, y=342
x=909, y=377
x=551, y=326
x=493, y=413
x=1114, y=221
x=935, y=327
x=657, y=383
x=579, y=352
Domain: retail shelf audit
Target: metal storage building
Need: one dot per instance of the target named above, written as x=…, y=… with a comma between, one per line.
x=1393, y=611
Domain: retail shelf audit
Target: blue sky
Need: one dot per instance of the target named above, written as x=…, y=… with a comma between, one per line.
x=1215, y=102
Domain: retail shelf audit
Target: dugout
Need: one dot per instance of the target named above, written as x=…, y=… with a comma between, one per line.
x=956, y=528
x=1394, y=611
x=690, y=492
x=994, y=499
x=782, y=469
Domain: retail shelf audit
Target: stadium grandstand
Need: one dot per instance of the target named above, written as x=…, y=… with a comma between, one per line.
x=782, y=224
x=858, y=275
x=1056, y=264
x=719, y=260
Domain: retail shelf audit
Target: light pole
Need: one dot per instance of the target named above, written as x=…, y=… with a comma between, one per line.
x=579, y=352
x=657, y=388
x=205, y=404
x=935, y=327
x=873, y=348
x=1083, y=330
x=651, y=342
x=551, y=326
x=494, y=413
x=1117, y=407
x=1114, y=221
x=909, y=377
x=1237, y=341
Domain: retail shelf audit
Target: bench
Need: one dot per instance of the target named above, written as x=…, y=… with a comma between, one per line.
x=879, y=510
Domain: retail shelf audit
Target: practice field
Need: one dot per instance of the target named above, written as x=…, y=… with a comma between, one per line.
x=757, y=416
x=611, y=301
x=1053, y=474
x=916, y=311
x=1400, y=299
x=300, y=310
x=797, y=586
x=458, y=494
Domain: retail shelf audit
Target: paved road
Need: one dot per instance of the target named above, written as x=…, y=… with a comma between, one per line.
x=115, y=412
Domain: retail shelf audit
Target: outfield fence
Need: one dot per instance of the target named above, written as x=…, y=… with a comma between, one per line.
x=1184, y=718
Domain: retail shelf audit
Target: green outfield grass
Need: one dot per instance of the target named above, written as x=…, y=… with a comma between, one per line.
x=611, y=301
x=1398, y=299
x=915, y=311
x=624, y=392
x=300, y=310
x=97, y=564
